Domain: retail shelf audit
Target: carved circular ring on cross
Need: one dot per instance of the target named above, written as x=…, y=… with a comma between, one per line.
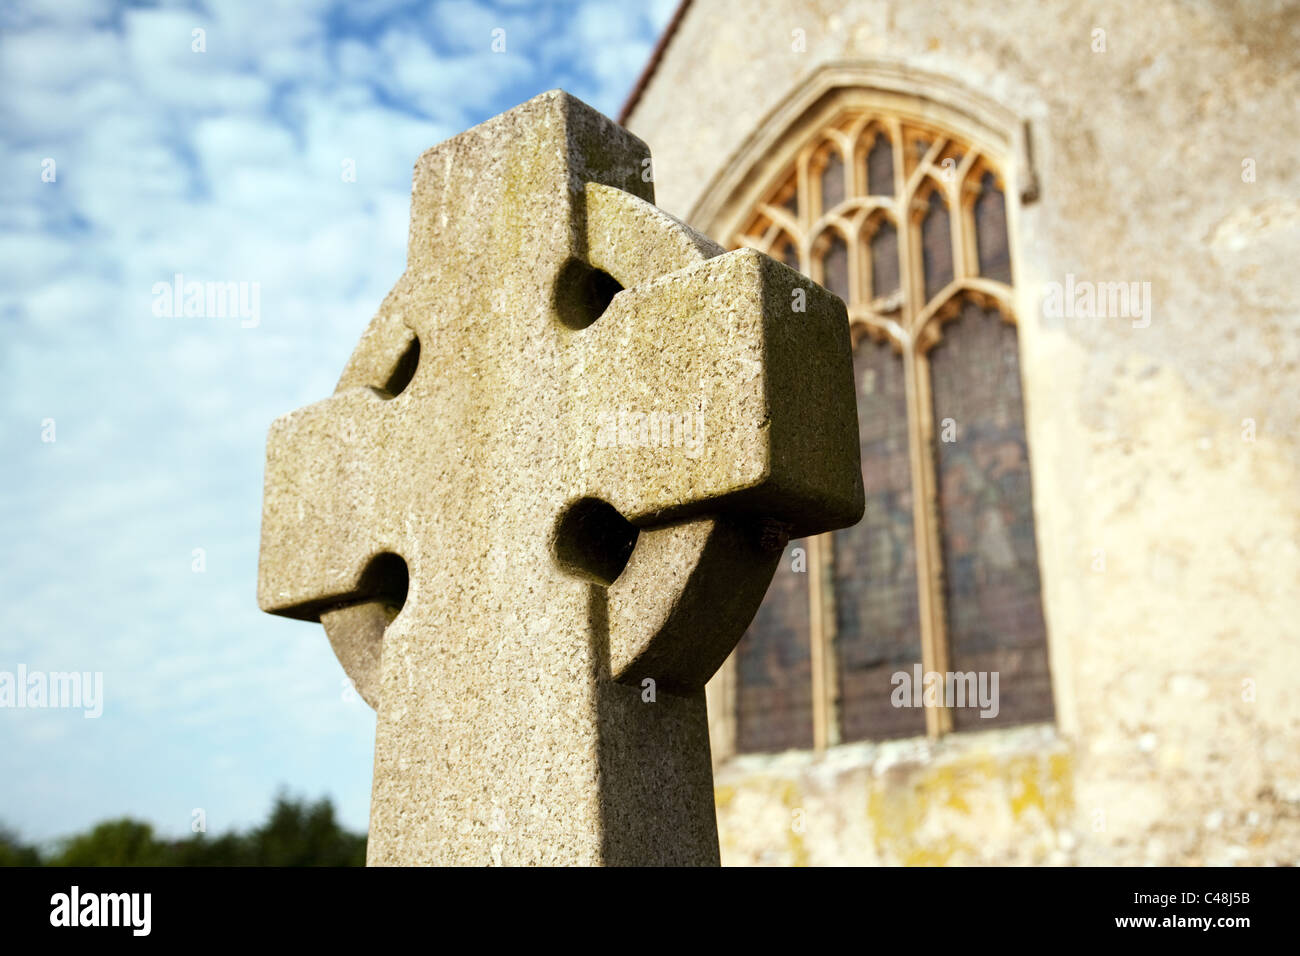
x=676, y=606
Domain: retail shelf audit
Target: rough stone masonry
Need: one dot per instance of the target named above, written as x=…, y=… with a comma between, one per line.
x=534, y=612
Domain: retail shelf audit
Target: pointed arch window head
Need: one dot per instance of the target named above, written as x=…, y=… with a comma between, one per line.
x=880, y=166
x=991, y=230
x=917, y=145
x=834, y=259
x=907, y=223
x=786, y=197
x=832, y=181
x=936, y=245
x=785, y=250
x=883, y=243
x=943, y=198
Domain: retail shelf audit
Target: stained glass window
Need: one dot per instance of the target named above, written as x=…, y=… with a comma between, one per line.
x=990, y=560
x=877, y=627
x=832, y=182
x=785, y=251
x=936, y=246
x=943, y=569
x=884, y=260
x=991, y=231
x=835, y=266
x=880, y=167
x=774, y=692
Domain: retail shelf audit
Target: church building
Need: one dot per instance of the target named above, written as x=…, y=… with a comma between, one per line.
x=1067, y=233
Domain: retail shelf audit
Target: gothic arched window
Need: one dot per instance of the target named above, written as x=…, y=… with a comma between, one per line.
x=906, y=221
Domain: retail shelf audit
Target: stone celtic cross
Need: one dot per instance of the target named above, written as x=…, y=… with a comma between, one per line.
x=549, y=493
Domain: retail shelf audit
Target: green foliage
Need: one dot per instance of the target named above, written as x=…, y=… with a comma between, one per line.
x=301, y=835
x=123, y=842
x=297, y=833
x=13, y=853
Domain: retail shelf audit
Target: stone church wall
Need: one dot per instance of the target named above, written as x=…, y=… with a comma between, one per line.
x=1166, y=453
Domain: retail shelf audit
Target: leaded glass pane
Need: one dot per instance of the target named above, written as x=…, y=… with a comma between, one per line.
x=773, y=666
x=878, y=629
x=991, y=231
x=835, y=266
x=990, y=559
x=832, y=182
x=884, y=260
x=936, y=246
x=880, y=167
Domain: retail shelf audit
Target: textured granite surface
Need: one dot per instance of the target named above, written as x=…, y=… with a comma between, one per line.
x=588, y=496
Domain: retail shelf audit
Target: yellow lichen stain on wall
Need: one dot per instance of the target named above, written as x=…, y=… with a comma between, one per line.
x=792, y=800
x=771, y=807
x=964, y=809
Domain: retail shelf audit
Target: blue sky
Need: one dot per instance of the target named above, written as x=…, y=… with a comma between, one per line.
x=225, y=166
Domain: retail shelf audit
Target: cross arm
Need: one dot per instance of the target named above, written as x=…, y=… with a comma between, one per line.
x=327, y=512
x=723, y=387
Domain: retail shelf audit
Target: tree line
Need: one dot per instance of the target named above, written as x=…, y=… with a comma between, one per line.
x=297, y=833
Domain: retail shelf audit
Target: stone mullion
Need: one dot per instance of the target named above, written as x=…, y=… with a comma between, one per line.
x=720, y=700
x=817, y=624
x=830, y=664
x=822, y=624
x=957, y=230
x=968, y=177
x=929, y=564
x=930, y=573
x=803, y=213
x=821, y=633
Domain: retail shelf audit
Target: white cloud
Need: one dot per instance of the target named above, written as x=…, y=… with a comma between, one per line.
x=68, y=13
x=223, y=165
x=51, y=60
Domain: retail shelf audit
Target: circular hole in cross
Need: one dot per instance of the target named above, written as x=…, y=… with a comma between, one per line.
x=583, y=293
x=593, y=541
x=387, y=580
x=404, y=370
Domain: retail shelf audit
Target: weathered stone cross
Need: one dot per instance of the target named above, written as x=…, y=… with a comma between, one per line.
x=568, y=576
